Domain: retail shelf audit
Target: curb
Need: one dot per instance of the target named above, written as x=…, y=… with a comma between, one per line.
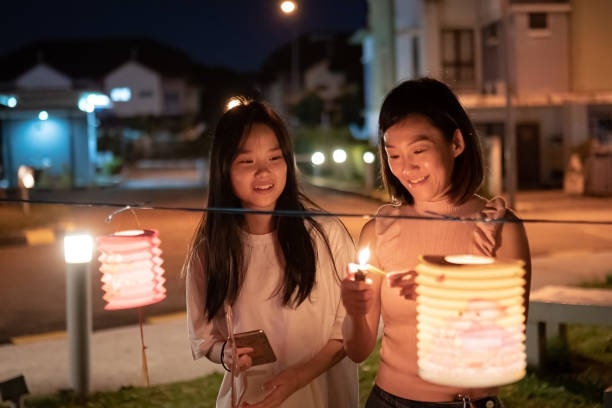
x=30, y=237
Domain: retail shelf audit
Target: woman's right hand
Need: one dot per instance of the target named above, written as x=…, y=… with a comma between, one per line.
x=357, y=295
x=243, y=362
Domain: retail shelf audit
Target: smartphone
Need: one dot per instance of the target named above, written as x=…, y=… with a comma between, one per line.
x=256, y=339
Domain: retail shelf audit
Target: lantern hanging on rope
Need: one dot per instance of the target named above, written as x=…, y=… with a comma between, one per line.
x=470, y=320
x=132, y=275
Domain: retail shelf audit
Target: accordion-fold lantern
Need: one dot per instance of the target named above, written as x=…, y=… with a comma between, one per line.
x=132, y=275
x=470, y=320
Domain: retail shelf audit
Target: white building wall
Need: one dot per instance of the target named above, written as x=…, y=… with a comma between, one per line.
x=458, y=13
x=42, y=76
x=488, y=10
x=173, y=96
x=146, y=89
x=542, y=56
x=408, y=30
x=432, y=65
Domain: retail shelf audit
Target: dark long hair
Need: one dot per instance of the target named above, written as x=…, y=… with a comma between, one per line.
x=437, y=102
x=216, y=256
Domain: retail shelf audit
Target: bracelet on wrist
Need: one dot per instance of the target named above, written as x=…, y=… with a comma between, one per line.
x=223, y=355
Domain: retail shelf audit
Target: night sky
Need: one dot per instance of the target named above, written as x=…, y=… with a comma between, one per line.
x=237, y=34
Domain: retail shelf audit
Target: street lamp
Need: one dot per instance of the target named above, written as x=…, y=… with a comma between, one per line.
x=78, y=250
x=289, y=8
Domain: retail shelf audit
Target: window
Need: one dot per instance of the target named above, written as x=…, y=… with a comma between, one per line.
x=538, y=21
x=416, y=57
x=490, y=34
x=121, y=94
x=171, y=97
x=458, y=57
x=145, y=94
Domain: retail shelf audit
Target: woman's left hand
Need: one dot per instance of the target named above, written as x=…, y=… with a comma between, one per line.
x=280, y=387
x=405, y=281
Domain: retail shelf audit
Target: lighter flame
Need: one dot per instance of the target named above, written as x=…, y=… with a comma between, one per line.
x=364, y=256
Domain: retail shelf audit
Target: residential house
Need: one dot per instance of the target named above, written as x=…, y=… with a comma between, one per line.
x=533, y=75
x=328, y=66
x=51, y=125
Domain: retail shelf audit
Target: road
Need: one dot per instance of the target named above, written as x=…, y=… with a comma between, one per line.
x=32, y=278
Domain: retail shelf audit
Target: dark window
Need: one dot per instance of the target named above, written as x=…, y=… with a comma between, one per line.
x=538, y=21
x=490, y=34
x=172, y=97
x=145, y=94
x=603, y=131
x=458, y=57
x=416, y=57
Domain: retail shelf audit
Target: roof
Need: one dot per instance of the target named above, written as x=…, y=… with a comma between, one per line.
x=93, y=58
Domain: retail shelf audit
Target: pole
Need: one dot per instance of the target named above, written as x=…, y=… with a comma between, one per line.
x=78, y=310
x=509, y=133
x=78, y=318
x=295, y=62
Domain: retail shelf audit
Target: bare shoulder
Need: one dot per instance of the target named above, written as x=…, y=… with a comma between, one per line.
x=368, y=233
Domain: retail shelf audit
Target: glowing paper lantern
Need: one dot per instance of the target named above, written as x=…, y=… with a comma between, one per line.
x=130, y=263
x=470, y=320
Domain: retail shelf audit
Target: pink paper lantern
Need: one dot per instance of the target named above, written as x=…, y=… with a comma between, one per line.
x=130, y=263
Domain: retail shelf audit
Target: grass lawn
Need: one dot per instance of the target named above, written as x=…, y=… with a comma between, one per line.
x=575, y=378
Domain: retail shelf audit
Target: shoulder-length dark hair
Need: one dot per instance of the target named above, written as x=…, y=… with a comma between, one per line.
x=437, y=102
x=216, y=257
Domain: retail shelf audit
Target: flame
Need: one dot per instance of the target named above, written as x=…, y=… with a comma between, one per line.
x=364, y=256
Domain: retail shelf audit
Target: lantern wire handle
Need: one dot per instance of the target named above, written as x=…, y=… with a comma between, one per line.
x=110, y=216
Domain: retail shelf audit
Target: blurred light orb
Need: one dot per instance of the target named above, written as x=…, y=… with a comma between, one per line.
x=86, y=105
x=88, y=102
x=368, y=157
x=43, y=115
x=232, y=103
x=317, y=158
x=121, y=94
x=25, y=174
x=339, y=156
x=8, y=100
x=288, y=6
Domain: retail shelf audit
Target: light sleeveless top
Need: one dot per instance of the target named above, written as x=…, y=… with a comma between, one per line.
x=399, y=241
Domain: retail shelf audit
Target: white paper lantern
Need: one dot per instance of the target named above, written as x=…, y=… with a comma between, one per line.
x=470, y=320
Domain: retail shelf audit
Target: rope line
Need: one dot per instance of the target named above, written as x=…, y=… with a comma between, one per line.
x=308, y=213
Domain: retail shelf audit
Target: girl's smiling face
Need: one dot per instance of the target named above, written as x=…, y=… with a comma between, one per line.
x=259, y=171
x=421, y=158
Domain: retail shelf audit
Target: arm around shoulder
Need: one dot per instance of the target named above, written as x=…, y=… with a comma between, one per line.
x=514, y=244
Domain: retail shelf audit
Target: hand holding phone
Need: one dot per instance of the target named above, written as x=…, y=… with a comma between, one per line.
x=256, y=339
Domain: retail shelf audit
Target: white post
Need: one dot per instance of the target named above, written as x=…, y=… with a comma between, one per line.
x=77, y=254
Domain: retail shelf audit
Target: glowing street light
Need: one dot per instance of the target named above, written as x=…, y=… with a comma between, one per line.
x=368, y=157
x=369, y=176
x=288, y=6
x=78, y=250
x=317, y=158
x=339, y=156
